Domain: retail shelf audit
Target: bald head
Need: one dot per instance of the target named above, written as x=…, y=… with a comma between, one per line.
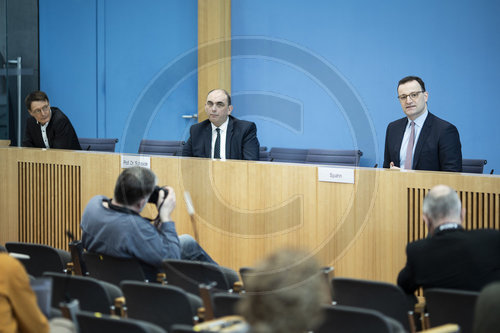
x=442, y=205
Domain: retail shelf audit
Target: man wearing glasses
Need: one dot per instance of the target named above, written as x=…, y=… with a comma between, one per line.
x=48, y=127
x=222, y=136
x=421, y=141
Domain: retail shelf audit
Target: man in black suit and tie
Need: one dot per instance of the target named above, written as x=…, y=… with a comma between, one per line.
x=222, y=136
x=421, y=141
x=450, y=257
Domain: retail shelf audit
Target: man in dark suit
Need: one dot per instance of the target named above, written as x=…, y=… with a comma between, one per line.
x=222, y=136
x=450, y=257
x=421, y=141
x=48, y=127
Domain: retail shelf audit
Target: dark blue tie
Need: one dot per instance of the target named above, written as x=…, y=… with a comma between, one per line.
x=217, y=144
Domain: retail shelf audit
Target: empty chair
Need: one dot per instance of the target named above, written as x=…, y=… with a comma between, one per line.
x=97, y=323
x=451, y=306
x=163, y=305
x=112, y=269
x=43, y=258
x=473, y=165
x=160, y=147
x=334, y=157
x=93, y=295
x=387, y=298
x=347, y=319
x=98, y=144
x=189, y=275
x=225, y=304
x=291, y=155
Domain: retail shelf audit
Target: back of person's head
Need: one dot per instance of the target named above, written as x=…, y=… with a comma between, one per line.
x=35, y=96
x=133, y=185
x=284, y=293
x=487, y=312
x=441, y=203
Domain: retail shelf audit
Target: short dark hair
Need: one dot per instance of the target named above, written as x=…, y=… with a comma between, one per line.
x=35, y=96
x=225, y=92
x=133, y=185
x=412, y=78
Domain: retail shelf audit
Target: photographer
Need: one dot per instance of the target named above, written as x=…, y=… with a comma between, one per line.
x=114, y=227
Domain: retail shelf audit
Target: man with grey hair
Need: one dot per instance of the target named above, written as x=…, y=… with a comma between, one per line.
x=450, y=257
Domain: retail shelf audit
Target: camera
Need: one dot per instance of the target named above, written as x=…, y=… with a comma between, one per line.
x=153, y=198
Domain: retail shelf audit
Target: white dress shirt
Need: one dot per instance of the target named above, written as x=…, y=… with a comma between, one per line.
x=43, y=128
x=223, y=134
x=419, y=122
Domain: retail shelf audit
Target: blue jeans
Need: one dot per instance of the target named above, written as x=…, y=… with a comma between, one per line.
x=191, y=250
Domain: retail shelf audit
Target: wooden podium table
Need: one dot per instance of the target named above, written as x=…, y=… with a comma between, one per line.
x=245, y=210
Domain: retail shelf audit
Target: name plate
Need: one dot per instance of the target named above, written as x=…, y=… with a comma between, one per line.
x=129, y=161
x=336, y=175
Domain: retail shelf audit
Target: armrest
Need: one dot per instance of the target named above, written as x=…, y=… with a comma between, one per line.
x=448, y=328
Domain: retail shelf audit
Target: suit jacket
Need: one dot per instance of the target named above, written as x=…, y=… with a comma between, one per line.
x=452, y=258
x=438, y=146
x=60, y=132
x=241, y=140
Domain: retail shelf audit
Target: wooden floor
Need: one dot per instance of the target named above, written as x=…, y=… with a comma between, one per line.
x=245, y=210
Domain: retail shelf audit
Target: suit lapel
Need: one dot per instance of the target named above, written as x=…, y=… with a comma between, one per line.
x=229, y=135
x=207, y=142
x=399, y=139
x=426, y=129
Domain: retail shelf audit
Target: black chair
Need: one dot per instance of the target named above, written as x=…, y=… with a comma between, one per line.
x=334, y=157
x=225, y=304
x=451, y=306
x=384, y=297
x=290, y=155
x=347, y=319
x=93, y=295
x=473, y=165
x=97, y=323
x=189, y=275
x=43, y=258
x=160, y=147
x=264, y=156
x=112, y=269
x=163, y=305
x=98, y=144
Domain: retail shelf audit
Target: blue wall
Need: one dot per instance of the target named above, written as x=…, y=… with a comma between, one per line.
x=319, y=74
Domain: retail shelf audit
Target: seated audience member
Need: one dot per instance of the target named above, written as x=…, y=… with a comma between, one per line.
x=114, y=227
x=222, y=136
x=421, y=141
x=19, y=310
x=487, y=312
x=285, y=293
x=450, y=257
x=48, y=127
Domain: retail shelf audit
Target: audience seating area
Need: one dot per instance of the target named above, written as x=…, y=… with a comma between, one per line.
x=116, y=289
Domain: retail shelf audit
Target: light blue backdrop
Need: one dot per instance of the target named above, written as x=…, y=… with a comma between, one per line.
x=318, y=74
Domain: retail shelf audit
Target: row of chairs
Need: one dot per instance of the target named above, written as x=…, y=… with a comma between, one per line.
x=290, y=155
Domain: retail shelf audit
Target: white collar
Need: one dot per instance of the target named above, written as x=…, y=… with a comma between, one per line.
x=222, y=127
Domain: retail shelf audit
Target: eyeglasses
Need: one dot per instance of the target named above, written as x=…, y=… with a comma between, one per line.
x=44, y=108
x=412, y=95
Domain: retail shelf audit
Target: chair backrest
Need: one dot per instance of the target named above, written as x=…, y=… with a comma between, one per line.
x=346, y=319
x=334, y=157
x=76, y=251
x=290, y=155
x=451, y=306
x=93, y=295
x=93, y=323
x=98, y=144
x=112, y=269
x=384, y=297
x=264, y=155
x=225, y=304
x=189, y=275
x=163, y=305
x=161, y=147
x=43, y=258
x=473, y=165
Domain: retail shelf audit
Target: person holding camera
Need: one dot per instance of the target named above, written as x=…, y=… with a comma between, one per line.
x=115, y=227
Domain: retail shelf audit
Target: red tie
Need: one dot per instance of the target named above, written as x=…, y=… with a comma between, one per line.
x=409, y=148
